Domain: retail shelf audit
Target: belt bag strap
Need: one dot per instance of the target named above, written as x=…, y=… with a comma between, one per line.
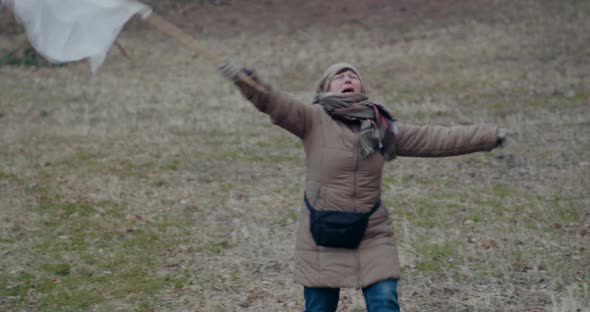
x=312, y=209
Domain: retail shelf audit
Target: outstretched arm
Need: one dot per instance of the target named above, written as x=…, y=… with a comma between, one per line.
x=436, y=141
x=284, y=110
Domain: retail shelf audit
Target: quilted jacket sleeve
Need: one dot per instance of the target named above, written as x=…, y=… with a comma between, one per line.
x=283, y=109
x=436, y=141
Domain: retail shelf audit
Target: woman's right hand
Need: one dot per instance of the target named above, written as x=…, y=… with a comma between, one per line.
x=230, y=70
x=246, y=79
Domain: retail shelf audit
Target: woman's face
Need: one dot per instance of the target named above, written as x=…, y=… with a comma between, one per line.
x=345, y=82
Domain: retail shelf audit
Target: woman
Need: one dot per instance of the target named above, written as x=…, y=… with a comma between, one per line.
x=347, y=138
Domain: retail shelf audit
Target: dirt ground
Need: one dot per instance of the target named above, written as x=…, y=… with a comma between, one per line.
x=155, y=186
x=229, y=18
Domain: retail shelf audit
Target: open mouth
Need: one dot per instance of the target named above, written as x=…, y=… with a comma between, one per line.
x=348, y=90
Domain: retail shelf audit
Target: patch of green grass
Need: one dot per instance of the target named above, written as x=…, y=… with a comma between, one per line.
x=171, y=165
x=233, y=276
x=214, y=248
x=563, y=208
x=16, y=287
x=433, y=207
x=227, y=186
x=455, y=207
x=566, y=213
x=34, y=189
x=128, y=168
x=233, y=156
x=83, y=159
x=494, y=198
x=71, y=297
x=137, y=280
x=108, y=256
x=7, y=176
x=475, y=218
x=429, y=266
x=483, y=269
x=25, y=56
x=490, y=202
x=502, y=190
x=145, y=305
x=431, y=181
x=286, y=219
x=436, y=250
x=280, y=142
x=425, y=213
x=4, y=240
x=434, y=257
x=61, y=269
x=67, y=209
x=144, y=238
x=246, y=156
x=93, y=162
x=581, y=97
x=110, y=209
x=391, y=180
x=425, y=222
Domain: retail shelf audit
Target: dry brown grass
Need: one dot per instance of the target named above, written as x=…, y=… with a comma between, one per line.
x=155, y=186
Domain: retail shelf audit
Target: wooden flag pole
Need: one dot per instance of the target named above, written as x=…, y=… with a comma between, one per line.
x=172, y=30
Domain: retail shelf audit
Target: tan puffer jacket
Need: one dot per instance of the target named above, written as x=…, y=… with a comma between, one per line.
x=338, y=179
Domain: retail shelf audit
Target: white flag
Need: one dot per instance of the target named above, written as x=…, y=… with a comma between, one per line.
x=71, y=30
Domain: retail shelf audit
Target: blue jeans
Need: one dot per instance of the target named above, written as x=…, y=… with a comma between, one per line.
x=379, y=297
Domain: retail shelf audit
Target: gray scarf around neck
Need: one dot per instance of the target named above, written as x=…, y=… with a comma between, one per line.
x=377, y=128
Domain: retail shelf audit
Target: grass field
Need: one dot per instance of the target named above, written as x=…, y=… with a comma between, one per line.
x=154, y=186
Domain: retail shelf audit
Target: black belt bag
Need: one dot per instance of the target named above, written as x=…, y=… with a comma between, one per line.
x=338, y=229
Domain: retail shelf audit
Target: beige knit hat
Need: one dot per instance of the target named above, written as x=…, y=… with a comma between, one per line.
x=324, y=83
